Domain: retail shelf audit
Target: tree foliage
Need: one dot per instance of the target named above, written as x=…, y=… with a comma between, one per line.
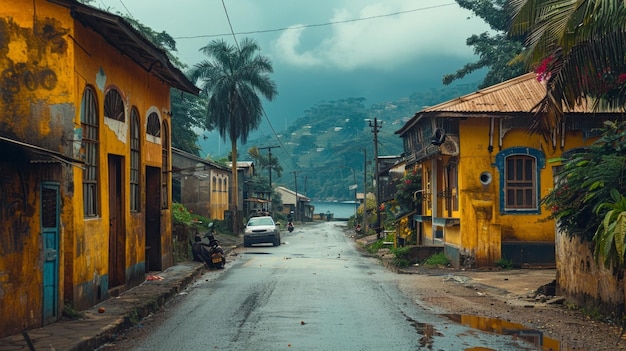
x=586, y=180
x=610, y=237
x=578, y=48
x=496, y=51
x=232, y=79
x=187, y=120
x=264, y=162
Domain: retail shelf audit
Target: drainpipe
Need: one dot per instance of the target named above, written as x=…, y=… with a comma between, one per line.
x=433, y=195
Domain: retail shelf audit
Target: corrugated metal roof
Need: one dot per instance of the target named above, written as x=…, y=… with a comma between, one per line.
x=520, y=94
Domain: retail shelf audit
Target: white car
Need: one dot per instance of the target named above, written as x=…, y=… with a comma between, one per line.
x=260, y=230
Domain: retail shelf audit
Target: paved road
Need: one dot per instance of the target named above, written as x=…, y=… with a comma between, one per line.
x=314, y=292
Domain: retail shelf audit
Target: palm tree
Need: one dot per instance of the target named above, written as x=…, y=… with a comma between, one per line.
x=579, y=48
x=232, y=80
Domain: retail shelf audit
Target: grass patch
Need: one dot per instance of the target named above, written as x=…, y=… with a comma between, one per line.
x=439, y=259
x=70, y=313
x=378, y=244
x=401, y=256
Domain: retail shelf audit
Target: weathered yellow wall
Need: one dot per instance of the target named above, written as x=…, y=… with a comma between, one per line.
x=102, y=67
x=33, y=100
x=219, y=195
x=477, y=202
x=583, y=281
x=483, y=225
x=47, y=60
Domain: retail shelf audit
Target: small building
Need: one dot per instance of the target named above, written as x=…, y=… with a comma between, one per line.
x=85, y=165
x=201, y=185
x=296, y=204
x=484, y=175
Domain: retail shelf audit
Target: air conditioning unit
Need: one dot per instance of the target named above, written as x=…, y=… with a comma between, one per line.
x=450, y=146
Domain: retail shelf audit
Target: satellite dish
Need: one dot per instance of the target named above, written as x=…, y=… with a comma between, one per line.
x=438, y=137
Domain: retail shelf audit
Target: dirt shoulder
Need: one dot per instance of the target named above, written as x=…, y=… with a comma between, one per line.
x=520, y=296
x=513, y=296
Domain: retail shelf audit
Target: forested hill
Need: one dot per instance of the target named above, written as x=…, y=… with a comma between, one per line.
x=325, y=149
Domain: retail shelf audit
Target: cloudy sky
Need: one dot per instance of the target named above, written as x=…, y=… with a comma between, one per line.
x=325, y=49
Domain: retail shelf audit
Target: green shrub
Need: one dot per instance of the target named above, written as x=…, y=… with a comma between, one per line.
x=401, y=252
x=504, y=263
x=180, y=214
x=439, y=259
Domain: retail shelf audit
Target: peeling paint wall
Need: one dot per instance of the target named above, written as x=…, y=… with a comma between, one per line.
x=137, y=88
x=583, y=281
x=35, y=100
x=484, y=224
x=46, y=62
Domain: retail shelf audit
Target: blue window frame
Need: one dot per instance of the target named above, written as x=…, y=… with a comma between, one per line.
x=520, y=181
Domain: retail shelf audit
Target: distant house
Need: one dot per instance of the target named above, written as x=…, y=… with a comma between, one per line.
x=297, y=204
x=202, y=186
x=86, y=158
x=245, y=171
x=484, y=174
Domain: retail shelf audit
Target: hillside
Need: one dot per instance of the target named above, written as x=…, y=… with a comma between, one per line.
x=332, y=139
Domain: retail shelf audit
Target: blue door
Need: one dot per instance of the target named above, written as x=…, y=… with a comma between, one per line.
x=50, y=236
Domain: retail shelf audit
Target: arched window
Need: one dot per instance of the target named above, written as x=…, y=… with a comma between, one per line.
x=89, y=125
x=520, y=186
x=165, y=167
x=114, y=106
x=154, y=125
x=135, y=161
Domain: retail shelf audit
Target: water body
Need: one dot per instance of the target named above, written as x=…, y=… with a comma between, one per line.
x=340, y=210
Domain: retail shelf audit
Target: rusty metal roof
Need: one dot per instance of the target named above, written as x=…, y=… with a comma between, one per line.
x=129, y=41
x=520, y=94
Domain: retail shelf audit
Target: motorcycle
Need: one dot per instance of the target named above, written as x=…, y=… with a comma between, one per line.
x=211, y=254
x=290, y=227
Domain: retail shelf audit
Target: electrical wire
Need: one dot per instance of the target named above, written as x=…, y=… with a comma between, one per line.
x=230, y=25
x=314, y=25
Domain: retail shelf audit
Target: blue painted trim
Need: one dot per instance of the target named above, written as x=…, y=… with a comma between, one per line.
x=421, y=218
x=540, y=160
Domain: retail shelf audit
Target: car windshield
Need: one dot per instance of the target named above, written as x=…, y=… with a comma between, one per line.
x=260, y=221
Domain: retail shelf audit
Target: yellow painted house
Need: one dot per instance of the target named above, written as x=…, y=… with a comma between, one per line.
x=201, y=185
x=484, y=174
x=85, y=159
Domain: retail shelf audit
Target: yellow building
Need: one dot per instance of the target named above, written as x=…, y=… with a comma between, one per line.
x=85, y=161
x=202, y=186
x=484, y=175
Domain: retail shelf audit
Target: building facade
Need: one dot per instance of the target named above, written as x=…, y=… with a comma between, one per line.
x=202, y=186
x=484, y=175
x=86, y=182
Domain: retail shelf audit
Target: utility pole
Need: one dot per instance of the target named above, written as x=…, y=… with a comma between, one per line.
x=365, y=190
x=375, y=127
x=295, y=206
x=269, y=163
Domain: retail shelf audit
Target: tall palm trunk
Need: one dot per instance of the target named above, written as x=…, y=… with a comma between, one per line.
x=234, y=207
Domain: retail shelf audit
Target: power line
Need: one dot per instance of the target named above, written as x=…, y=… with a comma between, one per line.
x=230, y=25
x=313, y=25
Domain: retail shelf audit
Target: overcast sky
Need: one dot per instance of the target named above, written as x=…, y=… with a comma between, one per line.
x=324, y=49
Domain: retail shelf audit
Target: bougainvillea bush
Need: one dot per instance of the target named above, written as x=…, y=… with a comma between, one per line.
x=407, y=188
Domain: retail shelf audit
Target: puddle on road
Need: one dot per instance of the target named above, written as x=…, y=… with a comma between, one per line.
x=499, y=326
